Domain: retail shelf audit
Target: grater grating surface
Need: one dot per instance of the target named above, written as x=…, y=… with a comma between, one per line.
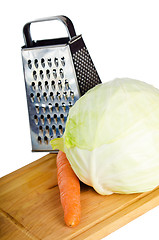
x=86, y=72
x=52, y=88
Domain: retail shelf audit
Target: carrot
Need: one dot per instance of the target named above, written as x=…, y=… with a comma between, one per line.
x=69, y=187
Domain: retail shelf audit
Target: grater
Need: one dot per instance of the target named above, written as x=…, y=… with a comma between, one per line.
x=56, y=72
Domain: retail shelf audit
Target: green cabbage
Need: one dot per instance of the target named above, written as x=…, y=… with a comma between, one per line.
x=112, y=137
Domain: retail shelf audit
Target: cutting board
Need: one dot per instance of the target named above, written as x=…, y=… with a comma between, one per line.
x=30, y=206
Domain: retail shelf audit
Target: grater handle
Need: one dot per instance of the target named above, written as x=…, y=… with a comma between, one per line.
x=65, y=20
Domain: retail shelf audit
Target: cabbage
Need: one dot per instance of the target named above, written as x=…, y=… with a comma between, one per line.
x=112, y=137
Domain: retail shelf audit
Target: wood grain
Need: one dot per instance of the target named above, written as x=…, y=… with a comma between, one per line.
x=30, y=206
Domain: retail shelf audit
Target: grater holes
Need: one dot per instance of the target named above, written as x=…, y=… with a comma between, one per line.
x=32, y=97
x=36, y=64
x=40, y=86
x=61, y=73
x=51, y=96
x=43, y=62
x=60, y=84
x=36, y=119
x=41, y=74
x=53, y=127
x=33, y=86
x=46, y=85
x=63, y=61
x=34, y=75
x=65, y=95
x=50, y=107
x=43, y=107
x=39, y=139
x=48, y=118
x=49, y=62
x=62, y=117
x=54, y=73
x=66, y=84
x=47, y=129
x=46, y=140
x=37, y=108
x=64, y=106
x=48, y=73
x=56, y=62
x=29, y=64
x=40, y=129
x=86, y=73
x=55, y=118
x=57, y=107
x=60, y=129
x=38, y=97
x=54, y=130
x=53, y=84
x=72, y=95
x=42, y=119
x=45, y=96
x=70, y=104
x=58, y=96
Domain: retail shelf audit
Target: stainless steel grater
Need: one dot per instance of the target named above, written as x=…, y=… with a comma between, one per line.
x=56, y=72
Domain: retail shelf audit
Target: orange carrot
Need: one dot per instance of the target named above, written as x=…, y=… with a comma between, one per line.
x=69, y=187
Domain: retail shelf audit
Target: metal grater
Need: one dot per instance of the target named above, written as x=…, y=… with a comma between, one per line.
x=56, y=72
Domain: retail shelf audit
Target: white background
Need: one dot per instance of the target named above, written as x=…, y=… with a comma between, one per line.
x=122, y=37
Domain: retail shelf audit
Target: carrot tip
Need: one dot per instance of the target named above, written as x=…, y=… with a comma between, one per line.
x=73, y=224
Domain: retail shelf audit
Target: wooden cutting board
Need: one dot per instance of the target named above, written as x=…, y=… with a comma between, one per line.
x=30, y=206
